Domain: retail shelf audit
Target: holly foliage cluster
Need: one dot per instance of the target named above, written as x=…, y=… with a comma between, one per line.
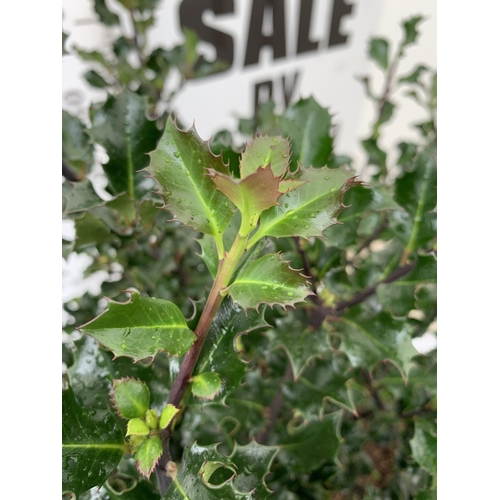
x=190, y=381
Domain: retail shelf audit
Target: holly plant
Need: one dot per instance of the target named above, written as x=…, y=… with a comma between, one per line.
x=263, y=305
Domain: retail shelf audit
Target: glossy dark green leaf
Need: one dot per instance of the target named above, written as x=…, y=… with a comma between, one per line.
x=424, y=448
x=308, y=444
x=399, y=297
x=416, y=192
x=375, y=155
x=386, y=112
x=192, y=478
x=89, y=376
x=378, y=51
x=105, y=15
x=253, y=462
x=206, y=385
x=269, y=280
x=131, y=397
x=94, y=79
x=77, y=151
x=324, y=385
x=308, y=125
x=301, y=343
x=410, y=29
x=91, y=230
x=367, y=341
x=141, y=327
x=219, y=352
x=64, y=38
x=310, y=209
x=180, y=164
x=80, y=197
x=414, y=75
x=120, y=125
x=92, y=445
x=262, y=151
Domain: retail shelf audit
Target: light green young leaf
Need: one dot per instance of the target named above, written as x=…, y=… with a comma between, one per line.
x=141, y=327
x=120, y=125
x=148, y=454
x=180, y=164
x=311, y=208
x=131, y=397
x=89, y=437
x=269, y=280
x=137, y=427
x=167, y=414
x=206, y=385
x=262, y=151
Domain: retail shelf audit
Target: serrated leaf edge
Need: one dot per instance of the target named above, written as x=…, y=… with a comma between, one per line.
x=112, y=392
x=271, y=304
x=160, y=192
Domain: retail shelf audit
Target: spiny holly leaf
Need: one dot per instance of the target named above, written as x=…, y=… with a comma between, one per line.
x=253, y=462
x=141, y=327
x=378, y=51
x=167, y=414
x=121, y=127
x=416, y=192
x=399, y=297
x=262, y=151
x=306, y=446
x=92, y=445
x=131, y=397
x=410, y=29
x=219, y=353
x=311, y=208
x=324, y=384
x=179, y=165
x=308, y=125
x=77, y=151
x=192, y=478
x=148, y=454
x=300, y=342
x=271, y=281
x=91, y=230
x=137, y=427
x=254, y=193
x=80, y=196
x=89, y=376
x=206, y=385
x=105, y=15
x=424, y=449
x=369, y=340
